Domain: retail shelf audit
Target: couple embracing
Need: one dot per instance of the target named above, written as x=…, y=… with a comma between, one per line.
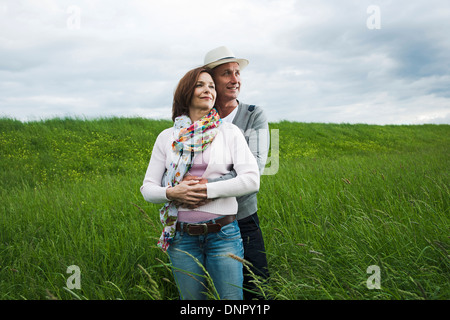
x=206, y=171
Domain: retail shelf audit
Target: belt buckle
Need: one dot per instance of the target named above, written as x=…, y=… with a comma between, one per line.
x=205, y=229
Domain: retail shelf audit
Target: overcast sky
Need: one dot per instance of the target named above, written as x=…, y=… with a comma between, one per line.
x=376, y=62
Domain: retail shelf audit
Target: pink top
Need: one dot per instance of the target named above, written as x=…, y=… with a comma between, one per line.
x=198, y=168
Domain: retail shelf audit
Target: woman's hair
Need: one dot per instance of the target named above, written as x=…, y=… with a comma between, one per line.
x=185, y=90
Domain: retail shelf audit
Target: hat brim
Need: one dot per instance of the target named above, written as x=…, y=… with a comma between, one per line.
x=242, y=63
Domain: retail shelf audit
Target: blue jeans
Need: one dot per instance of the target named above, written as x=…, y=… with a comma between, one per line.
x=210, y=253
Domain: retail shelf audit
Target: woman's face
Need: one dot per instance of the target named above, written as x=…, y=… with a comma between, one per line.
x=204, y=95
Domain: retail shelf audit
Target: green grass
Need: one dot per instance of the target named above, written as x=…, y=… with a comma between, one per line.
x=345, y=197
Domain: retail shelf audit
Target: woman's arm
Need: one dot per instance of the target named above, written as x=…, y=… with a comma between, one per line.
x=152, y=190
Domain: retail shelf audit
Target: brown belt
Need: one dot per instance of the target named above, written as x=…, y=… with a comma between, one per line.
x=197, y=229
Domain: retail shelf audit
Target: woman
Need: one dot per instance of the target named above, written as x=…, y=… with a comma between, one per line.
x=199, y=144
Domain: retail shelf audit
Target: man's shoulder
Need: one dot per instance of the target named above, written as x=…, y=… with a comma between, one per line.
x=250, y=116
x=252, y=112
x=250, y=108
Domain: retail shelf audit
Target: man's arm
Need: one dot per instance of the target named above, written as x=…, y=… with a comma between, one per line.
x=229, y=175
x=258, y=138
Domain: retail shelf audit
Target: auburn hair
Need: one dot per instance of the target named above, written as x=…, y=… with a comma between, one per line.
x=185, y=90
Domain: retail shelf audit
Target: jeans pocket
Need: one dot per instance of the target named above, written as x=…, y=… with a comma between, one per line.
x=230, y=231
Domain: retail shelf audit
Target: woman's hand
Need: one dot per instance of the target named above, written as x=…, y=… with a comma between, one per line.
x=188, y=193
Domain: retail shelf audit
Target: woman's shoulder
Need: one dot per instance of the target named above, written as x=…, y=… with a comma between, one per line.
x=166, y=132
x=229, y=126
x=164, y=135
x=231, y=131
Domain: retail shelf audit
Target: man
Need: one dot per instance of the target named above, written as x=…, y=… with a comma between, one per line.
x=253, y=123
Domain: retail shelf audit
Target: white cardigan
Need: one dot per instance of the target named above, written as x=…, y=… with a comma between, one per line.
x=228, y=150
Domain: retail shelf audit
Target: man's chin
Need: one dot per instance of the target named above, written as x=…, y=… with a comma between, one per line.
x=232, y=95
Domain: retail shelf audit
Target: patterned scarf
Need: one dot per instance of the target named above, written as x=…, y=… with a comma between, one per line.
x=190, y=139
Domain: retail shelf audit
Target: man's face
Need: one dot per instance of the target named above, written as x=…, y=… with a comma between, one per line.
x=228, y=80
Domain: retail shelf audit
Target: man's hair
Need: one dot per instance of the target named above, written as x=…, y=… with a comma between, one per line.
x=185, y=90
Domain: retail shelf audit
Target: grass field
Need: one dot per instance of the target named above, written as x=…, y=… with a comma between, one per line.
x=345, y=197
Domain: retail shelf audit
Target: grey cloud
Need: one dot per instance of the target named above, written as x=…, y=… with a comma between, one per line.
x=319, y=64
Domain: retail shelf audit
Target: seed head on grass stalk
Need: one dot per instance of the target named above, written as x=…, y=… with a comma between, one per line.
x=49, y=295
x=257, y=280
x=146, y=217
x=154, y=289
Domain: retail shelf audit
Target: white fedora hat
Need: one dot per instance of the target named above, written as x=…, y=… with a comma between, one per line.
x=222, y=55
